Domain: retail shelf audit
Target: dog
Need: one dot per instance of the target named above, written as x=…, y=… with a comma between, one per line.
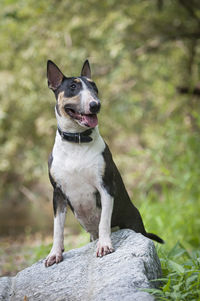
x=81, y=169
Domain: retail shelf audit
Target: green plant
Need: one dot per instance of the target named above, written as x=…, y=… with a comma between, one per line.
x=181, y=275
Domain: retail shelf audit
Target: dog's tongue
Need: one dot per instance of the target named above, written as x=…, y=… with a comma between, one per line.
x=90, y=120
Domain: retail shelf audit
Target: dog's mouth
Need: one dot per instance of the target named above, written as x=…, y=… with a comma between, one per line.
x=89, y=120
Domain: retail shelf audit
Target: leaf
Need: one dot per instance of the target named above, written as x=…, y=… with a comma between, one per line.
x=176, y=267
x=166, y=287
x=177, y=251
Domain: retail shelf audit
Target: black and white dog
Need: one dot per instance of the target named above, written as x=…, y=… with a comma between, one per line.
x=81, y=167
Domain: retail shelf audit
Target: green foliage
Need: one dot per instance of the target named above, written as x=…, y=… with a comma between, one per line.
x=181, y=275
x=168, y=192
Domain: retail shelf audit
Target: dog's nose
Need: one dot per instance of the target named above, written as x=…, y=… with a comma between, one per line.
x=94, y=107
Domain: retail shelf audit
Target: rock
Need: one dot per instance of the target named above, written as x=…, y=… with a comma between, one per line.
x=81, y=276
x=5, y=287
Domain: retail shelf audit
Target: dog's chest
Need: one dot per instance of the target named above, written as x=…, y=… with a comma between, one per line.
x=78, y=170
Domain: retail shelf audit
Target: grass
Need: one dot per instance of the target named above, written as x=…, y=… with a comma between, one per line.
x=181, y=275
x=176, y=219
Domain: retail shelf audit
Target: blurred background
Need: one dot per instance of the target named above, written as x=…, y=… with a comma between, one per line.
x=144, y=57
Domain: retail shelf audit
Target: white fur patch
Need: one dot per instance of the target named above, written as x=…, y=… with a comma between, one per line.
x=86, y=98
x=78, y=170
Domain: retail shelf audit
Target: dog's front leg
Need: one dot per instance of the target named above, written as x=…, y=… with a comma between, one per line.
x=59, y=204
x=104, y=245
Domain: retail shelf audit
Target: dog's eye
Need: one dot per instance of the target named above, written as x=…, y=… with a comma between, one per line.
x=73, y=86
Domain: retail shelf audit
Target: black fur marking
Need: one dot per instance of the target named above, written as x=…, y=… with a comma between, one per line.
x=70, y=205
x=155, y=237
x=98, y=199
x=125, y=214
x=108, y=179
x=90, y=85
x=70, y=87
x=60, y=200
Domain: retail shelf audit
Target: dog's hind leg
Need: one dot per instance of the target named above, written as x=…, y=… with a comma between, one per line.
x=60, y=206
x=134, y=221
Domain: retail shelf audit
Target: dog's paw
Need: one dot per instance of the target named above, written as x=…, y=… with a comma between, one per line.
x=53, y=257
x=104, y=248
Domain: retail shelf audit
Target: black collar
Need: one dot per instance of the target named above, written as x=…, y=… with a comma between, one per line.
x=76, y=137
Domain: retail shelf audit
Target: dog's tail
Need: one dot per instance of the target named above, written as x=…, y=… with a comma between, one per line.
x=154, y=237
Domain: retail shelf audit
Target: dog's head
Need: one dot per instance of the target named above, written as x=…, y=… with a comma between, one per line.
x=76, y=97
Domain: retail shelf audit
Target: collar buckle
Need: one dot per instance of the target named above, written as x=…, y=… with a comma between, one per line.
x=78, y=137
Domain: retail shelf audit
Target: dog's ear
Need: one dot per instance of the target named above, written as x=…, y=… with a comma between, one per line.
x=54, y=75
x=86, y=71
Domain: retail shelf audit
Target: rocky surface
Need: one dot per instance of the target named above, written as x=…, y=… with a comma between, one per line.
x=81, y=276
